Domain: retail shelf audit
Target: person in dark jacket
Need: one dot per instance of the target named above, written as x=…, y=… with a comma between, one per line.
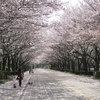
x=20, y=77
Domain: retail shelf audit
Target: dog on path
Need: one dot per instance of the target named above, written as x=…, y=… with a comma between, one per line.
x=14, y=85
x=30, y=83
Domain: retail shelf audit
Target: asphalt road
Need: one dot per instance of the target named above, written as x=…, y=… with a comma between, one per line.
x=54, y=85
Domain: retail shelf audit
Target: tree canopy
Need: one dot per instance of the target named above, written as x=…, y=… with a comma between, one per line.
x=64, y=34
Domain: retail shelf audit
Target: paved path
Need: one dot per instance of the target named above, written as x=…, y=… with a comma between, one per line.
x=7, y=92
x=53, y=85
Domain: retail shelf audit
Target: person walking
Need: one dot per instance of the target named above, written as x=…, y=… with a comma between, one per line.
x=20, y=77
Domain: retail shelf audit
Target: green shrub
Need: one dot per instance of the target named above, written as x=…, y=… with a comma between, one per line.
x=2, y=75
x=90, y=73
x=13, y=73
x=6, y=73
x=47, y=66
x=97, y=74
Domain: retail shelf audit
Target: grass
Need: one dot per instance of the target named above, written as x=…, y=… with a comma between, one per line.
x=4, y=81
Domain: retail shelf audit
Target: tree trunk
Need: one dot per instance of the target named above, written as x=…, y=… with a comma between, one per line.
x=96, y=59
x=8, y=63
x=68, y=65
x=3, y=63
x=73, y=66
x=85, y=63
x=78, y=65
